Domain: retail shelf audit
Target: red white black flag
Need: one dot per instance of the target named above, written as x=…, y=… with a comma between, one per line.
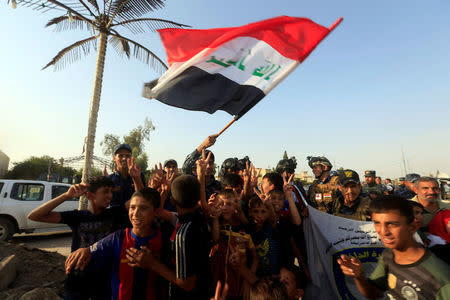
x=231, y=69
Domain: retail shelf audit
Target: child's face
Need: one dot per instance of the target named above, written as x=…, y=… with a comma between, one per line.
x=418, y=214
x=228, y=207
x=288, y=279
x=260, y=215
x=277, y=201
x=394, y=230
x=102, y=197
x=141, y=214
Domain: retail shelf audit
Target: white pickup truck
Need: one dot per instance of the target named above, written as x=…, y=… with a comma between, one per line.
x=19, y=197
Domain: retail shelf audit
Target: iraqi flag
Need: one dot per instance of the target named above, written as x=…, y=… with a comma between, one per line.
x=232, y=69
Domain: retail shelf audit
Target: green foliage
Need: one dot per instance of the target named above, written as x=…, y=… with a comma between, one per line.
x=34, y=166
x=136, y=138
x=285, y=156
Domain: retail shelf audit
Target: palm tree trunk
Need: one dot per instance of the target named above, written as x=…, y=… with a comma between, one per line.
x=93, y=113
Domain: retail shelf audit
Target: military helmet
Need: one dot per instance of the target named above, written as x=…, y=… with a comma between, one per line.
x=243, y=162
x=287, y=165
x=229, y=163
x=318, y=160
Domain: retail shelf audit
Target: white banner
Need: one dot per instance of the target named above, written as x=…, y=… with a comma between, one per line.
x=327, y=237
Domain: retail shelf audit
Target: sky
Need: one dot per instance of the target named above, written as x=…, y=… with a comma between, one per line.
x=376, y=87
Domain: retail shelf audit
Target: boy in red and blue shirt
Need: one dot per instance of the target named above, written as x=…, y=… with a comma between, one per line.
x=123, y=250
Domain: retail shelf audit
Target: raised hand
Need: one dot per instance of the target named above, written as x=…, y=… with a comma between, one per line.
x=262, y=196
x=76, y=190
x=221, y=294
x=214, y=206
x=158, y=177
x=208, y=142
x=133, y=169
x=202, y=163
x=287, y=187
x=351, y=266
x=254, y=176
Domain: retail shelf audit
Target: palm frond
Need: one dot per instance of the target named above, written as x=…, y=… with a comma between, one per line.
x=72, y=53
x=63, y=23
x=123, y=10
x=145, y=55
x=137, y=25
x=93, y=3
x=122, y=46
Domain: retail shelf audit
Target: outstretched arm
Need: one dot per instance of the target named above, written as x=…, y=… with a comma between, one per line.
x=45, y=213
x=287, y=188
x=352, y=267
x=144, y=258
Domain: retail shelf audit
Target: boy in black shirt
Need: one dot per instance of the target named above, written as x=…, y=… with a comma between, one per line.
x=88, y=226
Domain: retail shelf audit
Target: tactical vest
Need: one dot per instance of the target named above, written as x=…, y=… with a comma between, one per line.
x=361, y=212
x=322, y=196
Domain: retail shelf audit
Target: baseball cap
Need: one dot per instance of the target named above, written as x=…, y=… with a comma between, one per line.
x=369, y=173
x=412, y=177
x=170, y=161
x=347, y=176
x=122, y=146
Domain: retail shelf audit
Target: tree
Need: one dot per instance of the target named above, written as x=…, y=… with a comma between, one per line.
x=136, y=139
x=33, y=167
x=101, y=19
x=285, y=156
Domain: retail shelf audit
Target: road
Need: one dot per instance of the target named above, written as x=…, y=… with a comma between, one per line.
x=58, y=241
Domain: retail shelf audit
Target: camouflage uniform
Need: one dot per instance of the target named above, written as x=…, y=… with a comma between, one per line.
x=322, y=195
x=359, y=211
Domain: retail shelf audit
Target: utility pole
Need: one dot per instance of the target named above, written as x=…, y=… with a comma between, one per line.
x=404, y=161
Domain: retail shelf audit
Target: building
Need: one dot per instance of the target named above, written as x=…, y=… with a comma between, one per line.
x=4, y=163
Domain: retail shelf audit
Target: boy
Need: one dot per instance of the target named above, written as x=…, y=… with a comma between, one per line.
x=189, y=277
x=88, y=226
x=291, y=277
x=123, y=251
x=406, y=270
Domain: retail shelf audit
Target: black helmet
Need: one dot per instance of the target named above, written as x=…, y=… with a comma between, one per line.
x=318, y=160
x=229, y=163
x=243, y=162
x=287, y=165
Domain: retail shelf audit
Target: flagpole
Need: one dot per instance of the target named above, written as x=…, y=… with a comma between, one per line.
x=228, y=125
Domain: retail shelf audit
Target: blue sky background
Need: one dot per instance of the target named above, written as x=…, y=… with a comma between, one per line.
x=378, y=84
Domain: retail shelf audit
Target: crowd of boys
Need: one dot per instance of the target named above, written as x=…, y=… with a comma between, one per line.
x=185, y=236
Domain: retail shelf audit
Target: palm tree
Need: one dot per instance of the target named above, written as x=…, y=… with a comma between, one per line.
x=101, y=19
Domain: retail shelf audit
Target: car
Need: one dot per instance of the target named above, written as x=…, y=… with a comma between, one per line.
x=19, y=197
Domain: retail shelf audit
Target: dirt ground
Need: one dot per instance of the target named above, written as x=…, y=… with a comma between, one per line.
x=36, y=267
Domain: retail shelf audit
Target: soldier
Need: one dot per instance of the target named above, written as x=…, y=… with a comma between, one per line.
x=286, y=167
x=323, y=191
x=229, y=165
x=351, y=204
x=189, y=165
x=408, y=191
x=370, y=187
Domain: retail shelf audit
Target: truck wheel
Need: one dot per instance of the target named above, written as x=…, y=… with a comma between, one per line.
x=6, y=229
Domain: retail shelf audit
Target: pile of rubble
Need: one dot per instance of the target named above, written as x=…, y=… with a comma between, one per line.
x=30, y=273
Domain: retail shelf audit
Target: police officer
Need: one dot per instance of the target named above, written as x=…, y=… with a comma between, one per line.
x=351, y=204
x=286, y=167
x=370, y=187
x=189, y=165
x=323, y=191
x=408, y=191
x=229, y=165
